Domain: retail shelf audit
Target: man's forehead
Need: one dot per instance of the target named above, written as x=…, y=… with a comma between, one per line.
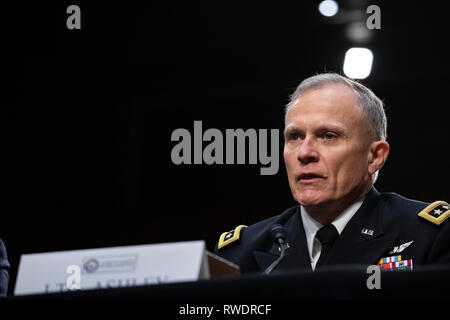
x=330, y=94
x=329, y=102
x=326, y=124
x=337, y=115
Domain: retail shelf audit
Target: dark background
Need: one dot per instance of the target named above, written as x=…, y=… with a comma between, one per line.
x=88, y=114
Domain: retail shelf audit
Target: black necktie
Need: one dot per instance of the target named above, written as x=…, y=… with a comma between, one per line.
x=327, y=235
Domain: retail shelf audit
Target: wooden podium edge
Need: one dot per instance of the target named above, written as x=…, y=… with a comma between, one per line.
x=219, y=267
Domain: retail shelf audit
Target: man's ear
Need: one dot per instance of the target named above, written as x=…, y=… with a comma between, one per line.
x=378, y=153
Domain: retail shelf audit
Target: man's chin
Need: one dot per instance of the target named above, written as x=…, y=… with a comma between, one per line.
x=309, y=200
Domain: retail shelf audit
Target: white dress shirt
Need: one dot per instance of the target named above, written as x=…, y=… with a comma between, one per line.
x=311, y=226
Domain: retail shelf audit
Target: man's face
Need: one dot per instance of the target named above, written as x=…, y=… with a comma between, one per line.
x=326, y=148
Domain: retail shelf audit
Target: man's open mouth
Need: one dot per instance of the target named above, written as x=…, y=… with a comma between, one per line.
x=308, y=176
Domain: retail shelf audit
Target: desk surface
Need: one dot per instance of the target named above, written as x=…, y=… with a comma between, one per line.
x=334, y=283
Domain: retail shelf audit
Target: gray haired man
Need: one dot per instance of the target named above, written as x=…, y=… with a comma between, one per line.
x=335, y=145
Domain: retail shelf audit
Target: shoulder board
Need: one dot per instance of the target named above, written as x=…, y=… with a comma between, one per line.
x=437, y=212
x=229, y=237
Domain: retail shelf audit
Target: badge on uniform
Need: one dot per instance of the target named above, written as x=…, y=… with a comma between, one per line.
x=395, y=263
x=229, y=237
x=401, y=247
x=437, y=212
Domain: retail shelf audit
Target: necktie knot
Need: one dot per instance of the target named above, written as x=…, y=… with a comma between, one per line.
x=327, y=235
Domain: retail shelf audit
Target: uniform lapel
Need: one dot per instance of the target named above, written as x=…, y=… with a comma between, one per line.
x=352, y=246
x=297, y=256
x=355, y=247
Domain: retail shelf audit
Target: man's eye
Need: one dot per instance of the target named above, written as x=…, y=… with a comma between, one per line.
x=293, y=136
x=329, y=136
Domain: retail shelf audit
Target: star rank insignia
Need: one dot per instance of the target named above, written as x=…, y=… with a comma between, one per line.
x=437, y=212
x=230, y=237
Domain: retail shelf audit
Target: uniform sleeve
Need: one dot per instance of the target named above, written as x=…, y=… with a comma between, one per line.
x=4, y=267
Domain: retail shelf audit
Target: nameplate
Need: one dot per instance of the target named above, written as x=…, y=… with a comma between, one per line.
x=111, y=267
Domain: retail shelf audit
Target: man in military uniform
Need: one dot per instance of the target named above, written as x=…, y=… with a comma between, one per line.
x=335, y=144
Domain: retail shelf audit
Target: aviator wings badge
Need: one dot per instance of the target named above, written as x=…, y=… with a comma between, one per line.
x=401, y=247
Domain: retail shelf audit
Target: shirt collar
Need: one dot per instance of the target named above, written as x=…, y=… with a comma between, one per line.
x=341, y=220
x=311, y=225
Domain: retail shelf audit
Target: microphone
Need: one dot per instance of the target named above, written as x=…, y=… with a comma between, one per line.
x=278, y=234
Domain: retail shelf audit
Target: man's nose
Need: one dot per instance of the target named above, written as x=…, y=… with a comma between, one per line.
x=307, y=152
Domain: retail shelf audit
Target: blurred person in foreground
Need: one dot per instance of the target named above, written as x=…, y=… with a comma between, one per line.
x=4, y=267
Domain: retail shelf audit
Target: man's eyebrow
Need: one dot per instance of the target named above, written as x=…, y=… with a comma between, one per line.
x=291, y=128
x=321, y=128
x=331, y=127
